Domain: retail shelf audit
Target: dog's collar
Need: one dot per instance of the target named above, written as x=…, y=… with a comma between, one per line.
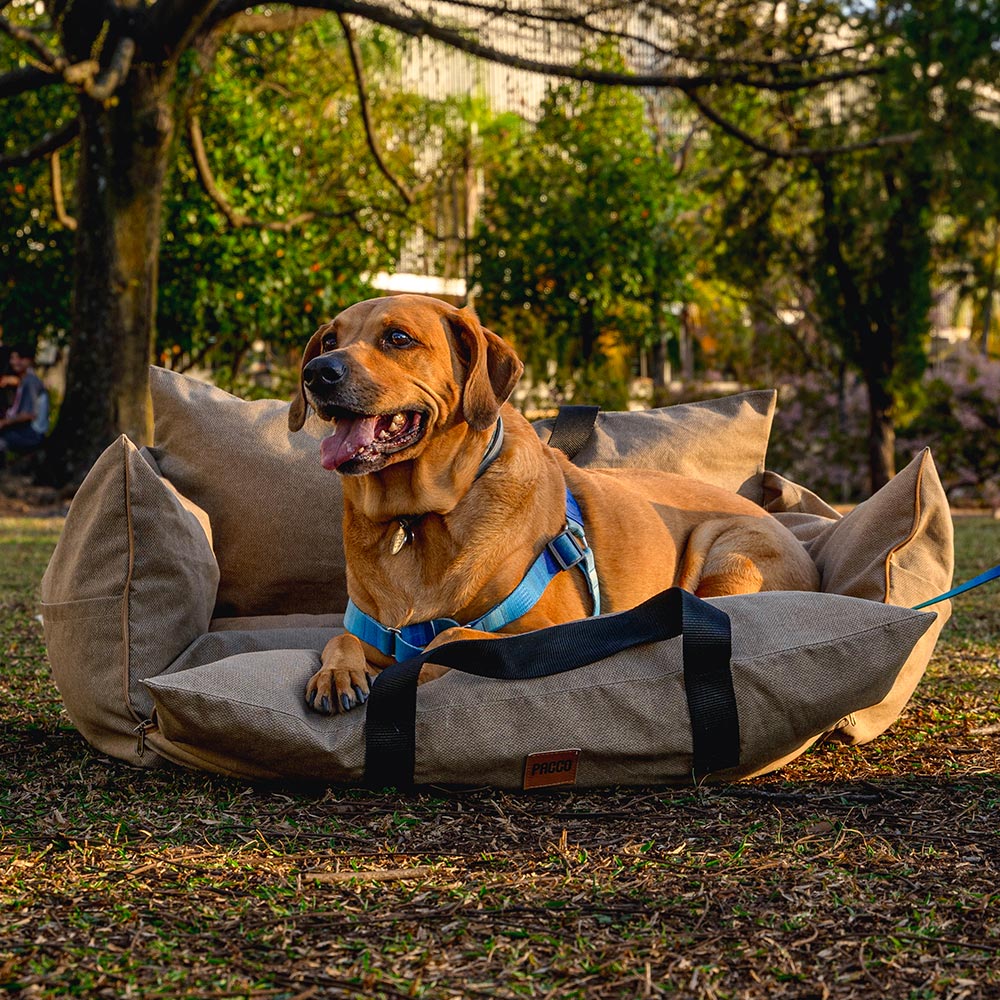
x=567, y=550
x=492, y=449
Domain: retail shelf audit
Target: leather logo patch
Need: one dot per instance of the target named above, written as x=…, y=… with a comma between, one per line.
x=554, y=767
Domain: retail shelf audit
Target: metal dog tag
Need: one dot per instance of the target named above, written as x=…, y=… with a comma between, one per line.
x=403, y=536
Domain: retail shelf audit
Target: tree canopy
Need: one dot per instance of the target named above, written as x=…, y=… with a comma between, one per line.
x=853, y=107
x=578, y=239
x=850, y=240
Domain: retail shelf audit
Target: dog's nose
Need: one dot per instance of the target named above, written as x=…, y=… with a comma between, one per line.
x=323, y=372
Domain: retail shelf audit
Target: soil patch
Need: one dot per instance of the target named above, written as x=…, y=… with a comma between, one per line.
x=20, y=496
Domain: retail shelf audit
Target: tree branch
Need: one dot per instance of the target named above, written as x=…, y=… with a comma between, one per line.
x=359, y=77
x=680, y=158
x=45, y=146
x=30, y=40
x=25, y=78
x=407, y=22
x=101, y=88
x=236, y=219
x=86, y=74
x=582, y=21
x=55, y=182
x=793, y=152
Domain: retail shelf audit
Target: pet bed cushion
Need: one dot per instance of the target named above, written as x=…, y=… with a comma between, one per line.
x=275, y=511
x=804, y=666
x=130, y=585
x=719, y=441
x=896, y=547
x=799, y=661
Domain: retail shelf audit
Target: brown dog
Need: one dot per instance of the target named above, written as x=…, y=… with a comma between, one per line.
x=434, y=529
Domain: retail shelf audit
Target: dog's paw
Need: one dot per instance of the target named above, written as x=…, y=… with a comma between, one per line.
x=343, y=681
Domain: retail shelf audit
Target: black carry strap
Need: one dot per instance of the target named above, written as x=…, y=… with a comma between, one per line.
x=573, y=427
x=390, y=722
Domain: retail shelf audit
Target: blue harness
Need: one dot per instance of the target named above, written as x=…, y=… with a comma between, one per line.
x=568, y=549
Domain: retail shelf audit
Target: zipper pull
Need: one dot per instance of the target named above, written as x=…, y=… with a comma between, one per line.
x=140, y=736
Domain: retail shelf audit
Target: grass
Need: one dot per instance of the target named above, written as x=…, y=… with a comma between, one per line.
x=856, y=872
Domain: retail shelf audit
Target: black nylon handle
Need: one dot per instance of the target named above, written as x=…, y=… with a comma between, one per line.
x=390, y=720
x=572, y=429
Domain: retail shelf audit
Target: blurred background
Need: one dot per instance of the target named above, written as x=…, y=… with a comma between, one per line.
x=654, y=202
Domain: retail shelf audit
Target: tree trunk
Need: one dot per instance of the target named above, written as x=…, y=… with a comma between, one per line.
x=686, y=346
x=881, y=433
x=123, y=165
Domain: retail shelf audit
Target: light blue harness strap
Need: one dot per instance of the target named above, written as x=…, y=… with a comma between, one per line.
x=399, y=643
x=567, y=550
x=574, y=519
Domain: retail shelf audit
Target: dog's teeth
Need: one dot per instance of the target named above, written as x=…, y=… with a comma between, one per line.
x=398, y=422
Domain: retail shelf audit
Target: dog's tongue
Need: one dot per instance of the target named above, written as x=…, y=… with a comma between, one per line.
x=350, y=437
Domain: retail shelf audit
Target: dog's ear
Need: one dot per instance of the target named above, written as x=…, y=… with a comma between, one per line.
x=493, y=369
x=297, y=412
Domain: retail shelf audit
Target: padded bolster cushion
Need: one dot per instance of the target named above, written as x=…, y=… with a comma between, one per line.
x=719, y=441
x=276, y=513
x=132, y=581
x=800, y=662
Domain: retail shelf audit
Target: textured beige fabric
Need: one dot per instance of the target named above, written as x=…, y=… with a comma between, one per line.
x=130, y=584
x=896, y=547
x=800, y=662
x=247, y=712
x=719, y=441
x=275, y=511
x=276, y=621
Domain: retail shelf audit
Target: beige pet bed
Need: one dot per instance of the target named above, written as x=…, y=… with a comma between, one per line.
x=195, y=583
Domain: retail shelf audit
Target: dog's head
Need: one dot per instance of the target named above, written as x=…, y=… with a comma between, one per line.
x=393, y=372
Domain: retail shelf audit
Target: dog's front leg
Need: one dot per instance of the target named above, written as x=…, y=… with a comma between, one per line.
x=342, y=682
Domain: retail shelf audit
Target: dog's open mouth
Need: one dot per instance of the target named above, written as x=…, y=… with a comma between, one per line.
x=361, y=443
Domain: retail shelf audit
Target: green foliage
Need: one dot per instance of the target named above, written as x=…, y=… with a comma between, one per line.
x=287, y=149
x=283, y=145
x=35, y=249
x=578, y=249
x=848, y=242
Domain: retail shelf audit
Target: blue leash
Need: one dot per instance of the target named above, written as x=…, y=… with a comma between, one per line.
x=990, y=574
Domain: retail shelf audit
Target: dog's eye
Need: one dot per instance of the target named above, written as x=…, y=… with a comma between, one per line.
x=329, y=341
x=398, y=338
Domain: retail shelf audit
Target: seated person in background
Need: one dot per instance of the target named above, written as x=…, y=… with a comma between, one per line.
x=8, y=380
x=24, y=426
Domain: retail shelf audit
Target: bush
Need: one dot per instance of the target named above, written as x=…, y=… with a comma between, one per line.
x=820, y=436
x=961, y=424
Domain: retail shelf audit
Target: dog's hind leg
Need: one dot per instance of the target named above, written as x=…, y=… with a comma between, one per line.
x=744, y=556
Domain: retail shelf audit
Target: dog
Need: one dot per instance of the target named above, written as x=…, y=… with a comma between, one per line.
x=450, y=499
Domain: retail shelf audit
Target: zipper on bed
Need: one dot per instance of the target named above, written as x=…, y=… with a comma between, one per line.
x=140, y=736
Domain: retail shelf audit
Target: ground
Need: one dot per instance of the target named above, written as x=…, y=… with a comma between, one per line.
x=855, y=872
x=19, y=496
